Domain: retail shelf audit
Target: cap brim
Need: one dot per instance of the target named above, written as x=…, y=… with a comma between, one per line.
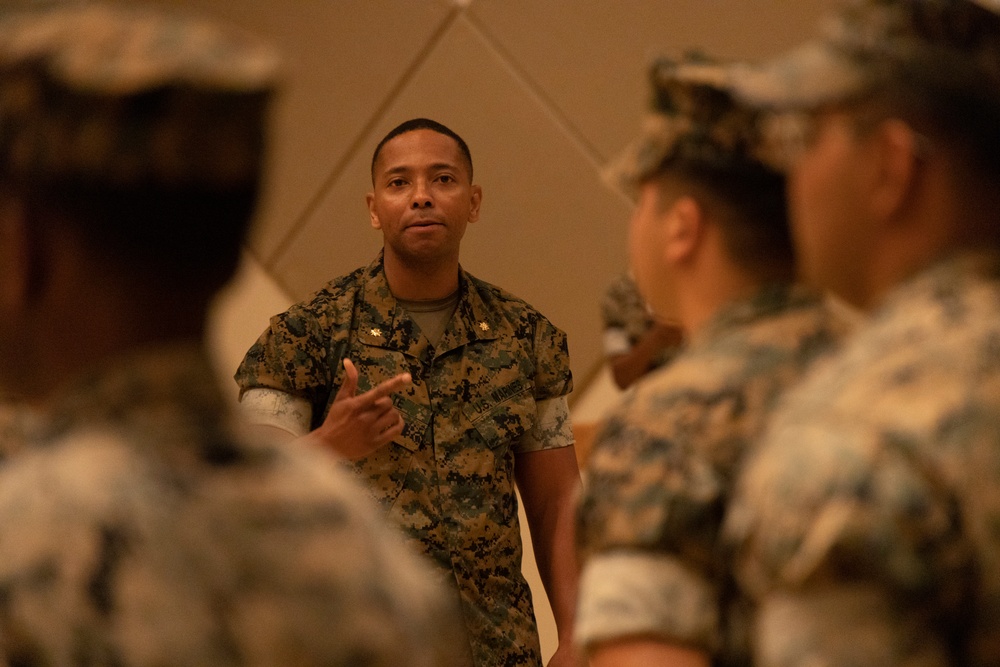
x=624, y=172
x=809, y=76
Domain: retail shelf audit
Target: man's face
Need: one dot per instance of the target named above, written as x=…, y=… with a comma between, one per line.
x=647, y=254
x=826, y=189
x=422, y=197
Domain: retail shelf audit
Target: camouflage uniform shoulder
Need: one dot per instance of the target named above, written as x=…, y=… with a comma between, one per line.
x=904, y=417
x=168, y=538
x=623, y=307
x=781, y=325
x=678, y=439
x=524, y=317
x=336, y=297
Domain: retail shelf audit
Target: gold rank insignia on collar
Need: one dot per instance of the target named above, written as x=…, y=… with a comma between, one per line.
x=484, y=326
x=376, y=332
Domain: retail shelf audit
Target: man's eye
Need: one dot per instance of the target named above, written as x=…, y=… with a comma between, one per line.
x=446, y=178
x=397, y=183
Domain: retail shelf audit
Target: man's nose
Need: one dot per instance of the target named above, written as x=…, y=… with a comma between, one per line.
x=421, y=196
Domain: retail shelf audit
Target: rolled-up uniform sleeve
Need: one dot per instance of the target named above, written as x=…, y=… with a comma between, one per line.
x=647, y=526
x=291, y=356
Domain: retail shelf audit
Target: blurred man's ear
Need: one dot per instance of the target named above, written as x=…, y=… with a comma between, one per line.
x=896, y=155
x=15, y=255
x=685, y=227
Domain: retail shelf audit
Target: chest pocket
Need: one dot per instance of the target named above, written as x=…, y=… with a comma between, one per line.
x=384, y=472
x=504, y=416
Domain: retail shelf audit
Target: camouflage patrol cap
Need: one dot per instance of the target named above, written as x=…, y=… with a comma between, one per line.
x=128, y=96
x=693, y=118
x=870, y=41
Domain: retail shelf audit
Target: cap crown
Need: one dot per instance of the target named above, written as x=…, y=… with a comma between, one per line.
x=872, y=41
x=130, y=96
x=693, y=118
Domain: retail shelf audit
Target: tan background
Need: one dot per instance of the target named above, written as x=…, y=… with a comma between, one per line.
x=544, y=92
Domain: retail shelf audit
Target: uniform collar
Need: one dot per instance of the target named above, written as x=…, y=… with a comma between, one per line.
x=766, y=302
x=384, y=323
x=945, y=281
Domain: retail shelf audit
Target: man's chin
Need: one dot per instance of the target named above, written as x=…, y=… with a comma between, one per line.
x=426, y=254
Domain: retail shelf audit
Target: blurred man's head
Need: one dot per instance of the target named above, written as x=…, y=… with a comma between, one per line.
x=697, y=169
x=131, y=151
x=892, y=115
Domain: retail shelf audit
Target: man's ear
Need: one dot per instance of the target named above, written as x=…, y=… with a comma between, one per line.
x=370, y=199
x=684, y=229
x=15, y=255
x=477, y=200
x=896, y=150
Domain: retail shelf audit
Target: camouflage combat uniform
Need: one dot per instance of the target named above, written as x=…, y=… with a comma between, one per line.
x=448, y=480
x=867, y=524
x=661, y=472
x=137, y=528
x=875, y=499
x=626, y=318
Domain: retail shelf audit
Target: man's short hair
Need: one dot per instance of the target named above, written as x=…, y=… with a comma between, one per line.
x=750, y=206
x=422, y=124
x=184, y=238
x=946, y=99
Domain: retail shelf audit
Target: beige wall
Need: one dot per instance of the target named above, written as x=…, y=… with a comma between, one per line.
x=544, y=91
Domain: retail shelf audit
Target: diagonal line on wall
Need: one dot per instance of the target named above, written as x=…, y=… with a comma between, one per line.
x=357, y=144
x=589, y=150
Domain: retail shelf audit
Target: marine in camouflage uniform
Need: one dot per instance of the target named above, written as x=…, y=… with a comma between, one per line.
x=661, y=472
x=867, y=523
x=490, y=390
x=138, y=526
x=866, y=526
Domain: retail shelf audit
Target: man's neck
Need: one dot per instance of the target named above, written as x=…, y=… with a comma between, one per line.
x=420, y=282
x=701, y=295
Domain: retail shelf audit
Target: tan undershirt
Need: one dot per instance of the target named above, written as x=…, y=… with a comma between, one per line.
x=432, y=316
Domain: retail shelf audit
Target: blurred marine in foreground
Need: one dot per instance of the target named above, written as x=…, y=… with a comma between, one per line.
x=137, y=527
x=708, y=237
x=868, y=523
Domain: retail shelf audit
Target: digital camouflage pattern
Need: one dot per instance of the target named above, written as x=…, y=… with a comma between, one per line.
x=138, y=529
x=626, y=318
x=448, y=480
x=866, y=43
x=692, y=118
x=944, y=44
x=662, y=468
x=874, y=500
x=130, y=95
